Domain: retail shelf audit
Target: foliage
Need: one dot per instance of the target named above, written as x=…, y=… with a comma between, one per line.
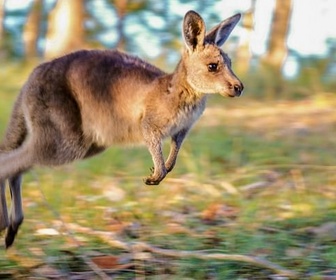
x=136, y=25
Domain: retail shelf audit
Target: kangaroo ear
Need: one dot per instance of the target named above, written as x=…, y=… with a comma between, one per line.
x=221, y=32
x=193, y=30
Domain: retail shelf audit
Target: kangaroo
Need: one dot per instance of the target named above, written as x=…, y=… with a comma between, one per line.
x=78, y=105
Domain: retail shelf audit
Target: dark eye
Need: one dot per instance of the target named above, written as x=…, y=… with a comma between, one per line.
x=212, y=67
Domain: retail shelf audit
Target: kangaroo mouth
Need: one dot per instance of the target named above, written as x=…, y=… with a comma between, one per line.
x=231, y=94
x=235, y=94
x=238, y=94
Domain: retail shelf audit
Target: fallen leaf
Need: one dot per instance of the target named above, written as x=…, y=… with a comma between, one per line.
x=106, y=262
x=216, y=212
x=113, y=262
x=175, y=228
x=115, y=225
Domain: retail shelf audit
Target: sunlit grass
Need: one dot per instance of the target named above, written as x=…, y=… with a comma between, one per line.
x=238, y=142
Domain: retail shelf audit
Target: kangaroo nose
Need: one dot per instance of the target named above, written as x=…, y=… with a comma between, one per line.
x=238, y=88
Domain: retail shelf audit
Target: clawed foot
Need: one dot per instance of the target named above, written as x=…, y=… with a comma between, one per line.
x=151, y=181
x=11, y=232
x=155, y=179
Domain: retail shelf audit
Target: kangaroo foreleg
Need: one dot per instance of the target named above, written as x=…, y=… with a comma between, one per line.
x=159, y=170
x=175, y=146
x=16, y=212
x=3, y=207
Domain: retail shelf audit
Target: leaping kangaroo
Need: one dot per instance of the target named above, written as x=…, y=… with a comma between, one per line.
x=78, y=105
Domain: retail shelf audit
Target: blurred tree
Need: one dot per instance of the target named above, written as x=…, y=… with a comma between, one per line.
x=148, y=28
x=330, y=72
x=31, y=30
x=276, y=53
x=163, y=25
x=65, y=28
x=121, y=9
x=277, y=47
x=244, y=54
x=124, y=8
x=165, y=28
x=2, y=31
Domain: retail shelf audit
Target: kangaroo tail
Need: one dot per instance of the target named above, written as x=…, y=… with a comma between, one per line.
x=16, y=161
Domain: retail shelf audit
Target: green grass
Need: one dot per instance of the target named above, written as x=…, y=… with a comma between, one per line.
x=238, y=142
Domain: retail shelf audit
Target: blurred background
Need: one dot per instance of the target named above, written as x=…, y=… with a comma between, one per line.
x=295, y=39
x=255, y=176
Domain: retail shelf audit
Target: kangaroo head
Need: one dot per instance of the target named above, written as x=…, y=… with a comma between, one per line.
x=208, y=68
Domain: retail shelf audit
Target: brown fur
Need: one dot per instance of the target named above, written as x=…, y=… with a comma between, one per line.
x=80, y=104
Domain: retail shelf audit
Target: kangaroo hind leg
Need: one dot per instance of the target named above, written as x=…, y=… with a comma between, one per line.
x=13, y=160
x=4, y=222
x=16, y=212
x=16, y=151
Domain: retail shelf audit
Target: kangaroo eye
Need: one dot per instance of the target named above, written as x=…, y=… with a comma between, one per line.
x=212, y=67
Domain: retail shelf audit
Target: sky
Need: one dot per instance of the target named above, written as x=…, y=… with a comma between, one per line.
x=310, y=28
x=312, y=22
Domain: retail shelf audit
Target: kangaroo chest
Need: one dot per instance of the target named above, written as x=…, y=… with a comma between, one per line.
x=187, y=115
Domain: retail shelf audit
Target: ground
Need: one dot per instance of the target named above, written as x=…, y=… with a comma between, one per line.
x=254, y=178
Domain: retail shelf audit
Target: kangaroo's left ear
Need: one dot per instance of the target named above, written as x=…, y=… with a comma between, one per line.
x=193, y=30
x=219, y=34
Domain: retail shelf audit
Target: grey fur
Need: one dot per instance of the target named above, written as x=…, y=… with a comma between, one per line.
x=78, y=105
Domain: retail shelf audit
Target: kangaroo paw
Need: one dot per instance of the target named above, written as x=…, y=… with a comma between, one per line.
x=11, y=233
x=155, y=179
x=151, y=181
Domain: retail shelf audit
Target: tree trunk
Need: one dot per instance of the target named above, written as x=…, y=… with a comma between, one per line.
x=2, y=18
x=32, y=30
x=65, y=28
x=277, y=47
x=276, y=53
x=2, y=31
x=244, y=54
x=121, y=9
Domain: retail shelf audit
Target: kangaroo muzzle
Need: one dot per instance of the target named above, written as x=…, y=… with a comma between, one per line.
x=235, y=89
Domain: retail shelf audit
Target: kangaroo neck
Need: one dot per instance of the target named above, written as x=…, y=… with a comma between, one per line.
x=178, y=85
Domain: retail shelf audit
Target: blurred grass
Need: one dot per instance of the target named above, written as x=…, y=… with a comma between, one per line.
x=289, y=144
